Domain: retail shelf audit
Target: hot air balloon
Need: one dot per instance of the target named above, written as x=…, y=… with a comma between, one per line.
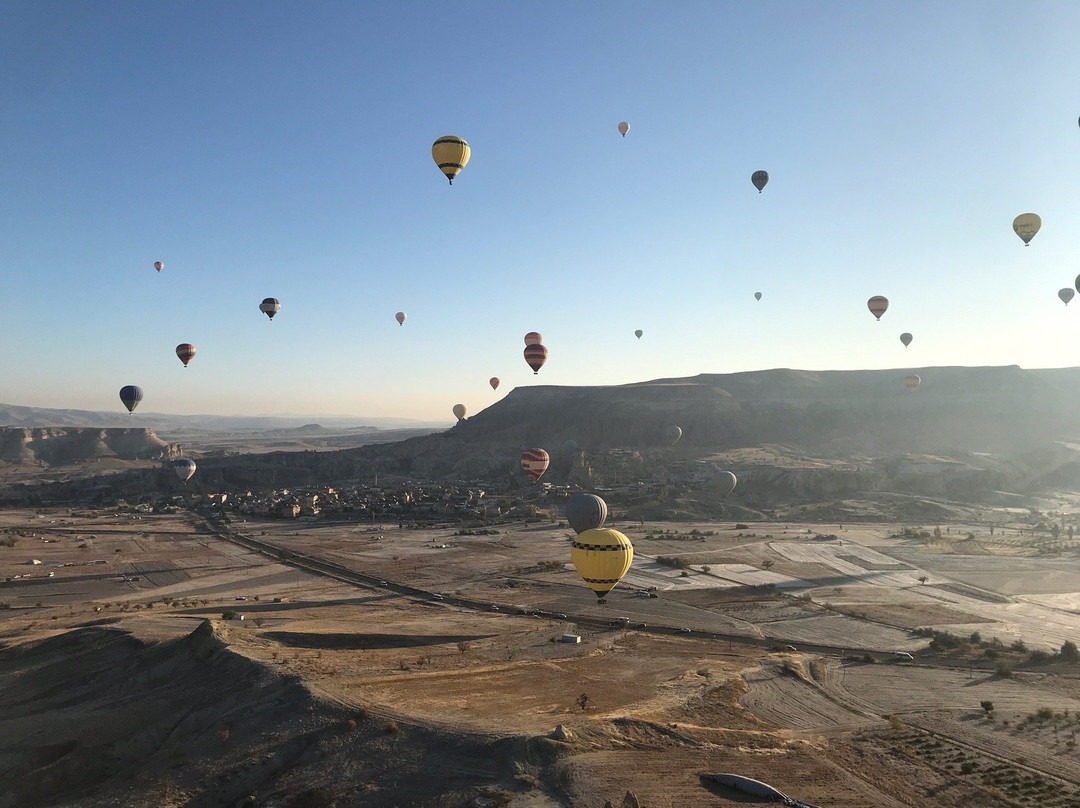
x=451, y=154
x=906, y=338
x=184, y=468
x=760, y=180
x=535, y=463
x=725, y=483
x=459, y=412
x=401, y=317
x=533, y=338
x=602, y=557
x=494, y=382
x=757, y=295
x=185, y=351
x=270, y=306
x=1066, y=295
x=1026, y=226
x=912, y=381
x=1078, y=283
x=159, y=265
x=131, y=396
x=624, y=127
x=877, y=305
x=536, y=356
x=673, y=433
x=585, y=512
x=638, y=333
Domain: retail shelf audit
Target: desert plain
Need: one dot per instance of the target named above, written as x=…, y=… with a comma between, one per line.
x=195, y=658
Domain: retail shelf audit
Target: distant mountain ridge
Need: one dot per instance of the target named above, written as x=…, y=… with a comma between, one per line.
x=33, y=417
x=964, y=430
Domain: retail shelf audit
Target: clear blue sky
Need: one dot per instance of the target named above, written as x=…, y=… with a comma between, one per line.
x=284, y=149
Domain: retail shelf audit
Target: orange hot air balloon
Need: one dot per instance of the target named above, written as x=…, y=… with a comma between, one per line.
x=185, y=351
x=494, y=382
x=536, y=356
x=158, y=265
x=535, y=463
x=877, y=305
x=533, y=338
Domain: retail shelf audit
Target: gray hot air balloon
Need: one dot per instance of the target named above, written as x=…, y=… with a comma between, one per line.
x=673, y=433
x=638, y=333
x=725, y=483
x=585, y=511
x=760, y=180
x=757, y=295
x=1066, y=295
x=270, y=306
x=906, y=338
x=184, y=468
x=1026, y=225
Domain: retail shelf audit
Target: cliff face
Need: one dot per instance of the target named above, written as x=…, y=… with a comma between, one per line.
x=965, y=433
x=63, y=446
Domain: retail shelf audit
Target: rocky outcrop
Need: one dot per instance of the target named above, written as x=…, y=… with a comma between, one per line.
x=67, y=446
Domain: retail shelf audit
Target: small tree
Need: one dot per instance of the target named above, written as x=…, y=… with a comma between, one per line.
x=987, y=706
x=1069, y=652
x=937, y=532
x=767, y=564
x=582, y=701
x=923, y=579
x=462, y=646
x=705, y=568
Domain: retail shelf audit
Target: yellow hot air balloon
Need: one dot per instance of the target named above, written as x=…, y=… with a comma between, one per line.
x=602, y=557
x=459, y=412
x=451, y=154
x=1026, y=225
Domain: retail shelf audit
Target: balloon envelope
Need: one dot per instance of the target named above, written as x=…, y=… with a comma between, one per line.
x=906, y=338
x=1066, y=295
x=638, y=333
x=673, y=433
x=159, y=265
x=760, y=180
x=401, y=317
x=451, y=154
x=459, y=411
x=494, y=382
x=757, y=295
x=533, y=338
x=131, y=396
x=877, y=305
x=725, y=483
x=912, y=381
x=270, y=306
x=185, y=351
x=585, y=512
x=1026, y=225
x=624, y=127
x=535, y=462
x=184, y=468
x=536, y=356
x=602, y=557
